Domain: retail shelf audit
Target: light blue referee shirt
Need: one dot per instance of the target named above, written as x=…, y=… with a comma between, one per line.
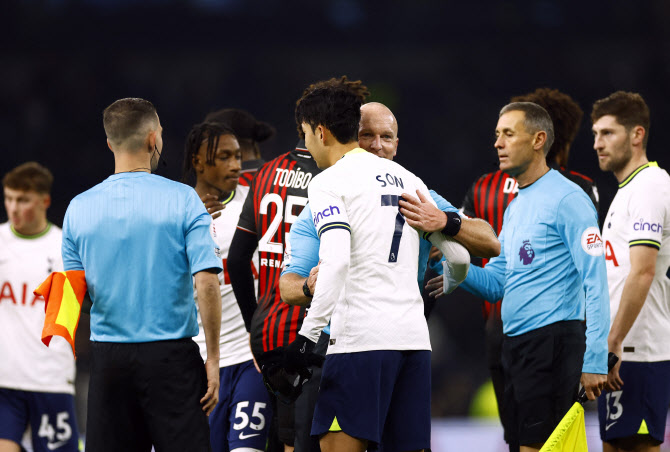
x=551, y=267
x=304, y=242
x=139, y=238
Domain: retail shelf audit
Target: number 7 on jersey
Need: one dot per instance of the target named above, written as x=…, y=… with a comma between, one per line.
x=392, y=201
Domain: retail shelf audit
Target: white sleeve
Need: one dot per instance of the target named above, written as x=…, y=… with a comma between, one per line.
x=457, y=257
x=332, y=225
x=456, y=263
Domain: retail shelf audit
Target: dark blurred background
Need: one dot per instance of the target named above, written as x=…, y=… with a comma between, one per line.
x=445, y=68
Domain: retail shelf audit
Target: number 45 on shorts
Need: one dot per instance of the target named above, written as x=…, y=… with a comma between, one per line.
x=60, y=434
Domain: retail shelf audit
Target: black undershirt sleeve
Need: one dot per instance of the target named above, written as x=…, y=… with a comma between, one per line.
x=241, y=251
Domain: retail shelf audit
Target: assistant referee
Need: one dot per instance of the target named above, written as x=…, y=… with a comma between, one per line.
x=141, y=238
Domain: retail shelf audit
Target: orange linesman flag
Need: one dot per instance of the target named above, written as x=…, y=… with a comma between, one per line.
x=64, y=293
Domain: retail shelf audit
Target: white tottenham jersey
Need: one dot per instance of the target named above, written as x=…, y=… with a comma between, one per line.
x=367, y=278
x=26, y=363
x=234, y=342
x=640, y=216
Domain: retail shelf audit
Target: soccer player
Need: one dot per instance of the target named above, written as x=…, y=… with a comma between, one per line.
x=551, y=272
x=377, y=134
x=250, y=133
x=240, y=421
x=366, y=282
x=141, y=239
x=36, y=382
x=488, y=198
x=277, y=195
x=637, y=245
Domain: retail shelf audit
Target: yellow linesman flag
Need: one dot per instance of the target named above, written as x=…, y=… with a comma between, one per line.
x=570, y=435
x=64, y=293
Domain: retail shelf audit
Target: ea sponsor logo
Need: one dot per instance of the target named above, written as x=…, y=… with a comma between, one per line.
x=592, y=243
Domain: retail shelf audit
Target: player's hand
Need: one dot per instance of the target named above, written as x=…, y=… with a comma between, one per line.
x=435, y=254
x=614, y=381
x=213, y=205
x=311, y=279
x=593, y=384
x=296, y=356
x=421, y=214
x=435, y=286
x=211, y=397
x=299, y=354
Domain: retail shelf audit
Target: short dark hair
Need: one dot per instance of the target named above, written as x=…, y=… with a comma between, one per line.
x=29, y=176
x=127, y=121
x=334, y=104
x=210, y=131
x=248, y=130
x=564, y=112
x=536, y=119
x=629, y=109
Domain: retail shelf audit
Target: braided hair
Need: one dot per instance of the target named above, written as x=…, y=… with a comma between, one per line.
x=205, y=131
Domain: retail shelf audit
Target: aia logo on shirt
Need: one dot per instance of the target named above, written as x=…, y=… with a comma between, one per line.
x=526, y=253
x=592, y=242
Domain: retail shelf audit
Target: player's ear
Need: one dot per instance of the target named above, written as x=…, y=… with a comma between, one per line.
x=321, y=133
x=109, y=145
x=46, y=201
x=197, y=163
x=637, y=135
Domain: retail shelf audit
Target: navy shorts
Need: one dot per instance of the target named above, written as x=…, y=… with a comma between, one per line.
x=243, y=415
x=641, y=406
x=50, y=415
x=379, y=396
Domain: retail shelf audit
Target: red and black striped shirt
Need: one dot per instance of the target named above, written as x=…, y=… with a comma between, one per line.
x=277, y=196
x=249, y=170
x=490, y=195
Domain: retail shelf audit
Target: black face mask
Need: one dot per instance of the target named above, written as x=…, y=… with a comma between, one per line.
x=154, y=163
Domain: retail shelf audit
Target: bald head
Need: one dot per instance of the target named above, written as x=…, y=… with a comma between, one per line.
x=378, y=130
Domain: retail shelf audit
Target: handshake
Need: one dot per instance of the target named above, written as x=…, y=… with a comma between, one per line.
x=286, y=369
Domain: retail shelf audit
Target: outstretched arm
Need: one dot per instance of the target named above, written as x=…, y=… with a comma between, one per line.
x=475, y=234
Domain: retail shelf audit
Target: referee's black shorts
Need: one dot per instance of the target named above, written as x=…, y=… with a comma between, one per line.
x=147, y=394
x=543, y=367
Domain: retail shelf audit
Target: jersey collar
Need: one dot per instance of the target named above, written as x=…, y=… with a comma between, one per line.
x=30, y=237
x=635, y=173
x=229, y=198
x=355, y=151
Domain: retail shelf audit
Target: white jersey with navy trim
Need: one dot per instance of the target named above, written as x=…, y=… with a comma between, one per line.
x=26, y=363
x=640, y=216
x=234, y=339
x=369, y=254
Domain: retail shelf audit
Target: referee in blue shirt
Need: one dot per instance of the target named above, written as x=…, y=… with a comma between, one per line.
x=141, y=239
x=551, y=273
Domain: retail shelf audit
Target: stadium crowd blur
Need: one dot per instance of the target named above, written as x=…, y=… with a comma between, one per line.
x=444, y=68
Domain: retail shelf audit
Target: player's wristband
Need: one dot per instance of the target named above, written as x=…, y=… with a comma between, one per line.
x=305, y=289
x=453, y=224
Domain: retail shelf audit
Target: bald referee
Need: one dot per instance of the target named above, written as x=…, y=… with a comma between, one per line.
x=140, y=238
